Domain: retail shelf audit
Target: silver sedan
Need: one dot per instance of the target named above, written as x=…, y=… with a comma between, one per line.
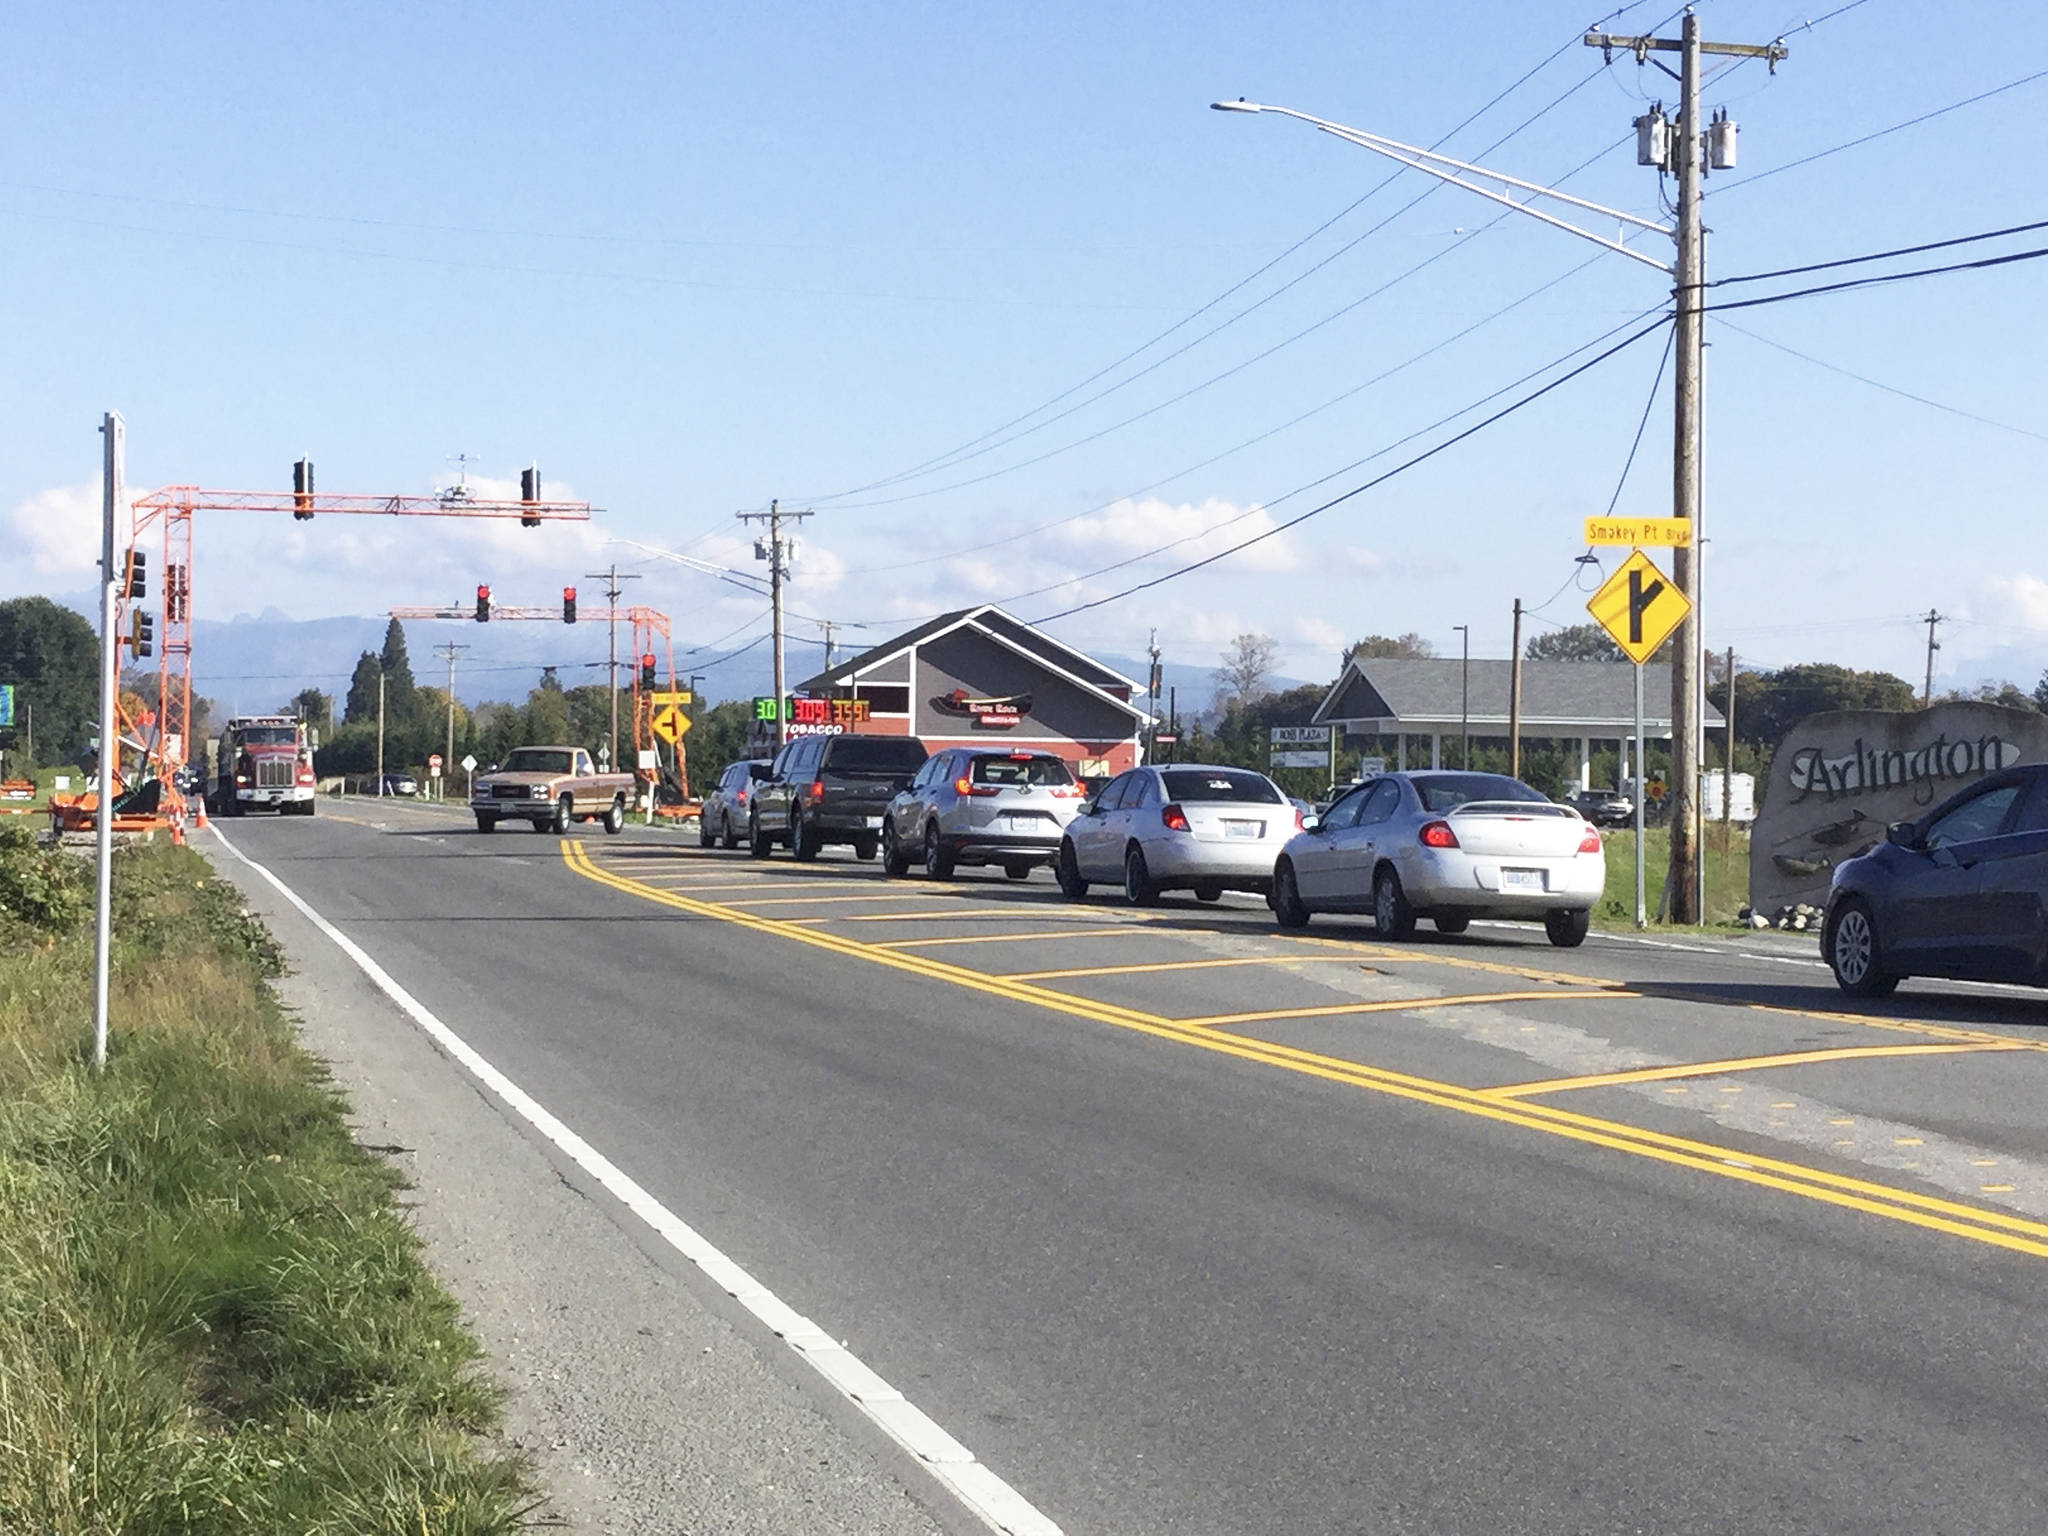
x=1185, y=826
x=1447, y=846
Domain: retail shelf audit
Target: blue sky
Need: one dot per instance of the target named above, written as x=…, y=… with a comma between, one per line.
x=689, y=258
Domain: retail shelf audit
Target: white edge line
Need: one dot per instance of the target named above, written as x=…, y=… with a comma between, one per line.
x=984, y=1493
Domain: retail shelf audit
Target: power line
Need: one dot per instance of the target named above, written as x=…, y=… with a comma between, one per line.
x=1897, y=251
x=1875, y=282
x=1529, y=399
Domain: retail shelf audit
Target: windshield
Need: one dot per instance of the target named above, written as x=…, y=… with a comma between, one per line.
x=1448, y=791
x=875, y=754
x=1194, y=784
x=270, y=736
x=538, y=760
x=1021, y=770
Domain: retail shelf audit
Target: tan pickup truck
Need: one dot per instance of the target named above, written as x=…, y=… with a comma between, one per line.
x=551, y=787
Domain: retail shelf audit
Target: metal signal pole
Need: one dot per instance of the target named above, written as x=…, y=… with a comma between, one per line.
x=611, y=578
x=778, y=552
x=111, y=539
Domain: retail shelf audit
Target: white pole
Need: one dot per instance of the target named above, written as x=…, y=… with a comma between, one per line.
x=1642, y=908
x=114, y=430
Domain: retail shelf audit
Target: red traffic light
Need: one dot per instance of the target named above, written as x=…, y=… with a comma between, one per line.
x=568, y=605
x=483, y=605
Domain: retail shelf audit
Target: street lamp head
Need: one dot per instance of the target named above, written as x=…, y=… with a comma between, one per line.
x=1239, y=105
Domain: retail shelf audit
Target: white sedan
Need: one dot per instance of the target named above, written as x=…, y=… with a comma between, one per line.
x=1447, y=846
x=1181, y=826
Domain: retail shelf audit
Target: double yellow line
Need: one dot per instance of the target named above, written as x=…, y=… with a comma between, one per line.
x=1997, y=1228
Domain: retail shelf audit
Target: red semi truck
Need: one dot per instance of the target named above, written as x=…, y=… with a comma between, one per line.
x=263, y=763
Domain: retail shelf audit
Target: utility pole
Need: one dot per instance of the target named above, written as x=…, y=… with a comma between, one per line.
x=611, y=579
x=380, y=733
x=780, y=553
x=1693, y=154
x=1515, y=700
x=1933, y=645
x=1465, y=694
x=115, y=447
x=828, y=626
x=448, y=650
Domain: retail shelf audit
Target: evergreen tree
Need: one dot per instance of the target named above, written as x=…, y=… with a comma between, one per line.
x=401, y=695
x=362, y=691
x=52, y=658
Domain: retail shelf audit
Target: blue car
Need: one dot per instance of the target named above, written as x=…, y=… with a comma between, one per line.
x=1960, y=892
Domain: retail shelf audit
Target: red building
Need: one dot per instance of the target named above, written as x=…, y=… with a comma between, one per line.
x=979, y=677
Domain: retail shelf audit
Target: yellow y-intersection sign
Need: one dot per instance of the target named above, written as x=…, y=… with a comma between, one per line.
x=1639, y=606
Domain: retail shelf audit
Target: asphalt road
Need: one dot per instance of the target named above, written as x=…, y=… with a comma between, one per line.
x=1179, y=1224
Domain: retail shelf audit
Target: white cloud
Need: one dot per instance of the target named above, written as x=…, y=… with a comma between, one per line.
x=1319, y=634
x=2019, y=600
x=1179, y=533
x=1359, y=558
x=57, y=532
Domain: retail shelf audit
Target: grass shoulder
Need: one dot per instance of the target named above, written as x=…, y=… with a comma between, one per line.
x=213, y=1312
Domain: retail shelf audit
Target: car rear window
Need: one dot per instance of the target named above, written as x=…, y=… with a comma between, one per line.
x=1196, y=784
x=1021, y=770
x=1448, y=791
x=875, y=754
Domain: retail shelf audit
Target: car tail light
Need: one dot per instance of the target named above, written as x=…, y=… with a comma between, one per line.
x=816, y=791
x=1067, y=792
x=739, y=797
x=1175, y=818
x=1590, y=843
x=1437, y=834
x=1299, y=824
x=967, y=786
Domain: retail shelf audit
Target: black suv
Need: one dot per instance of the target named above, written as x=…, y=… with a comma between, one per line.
x=831, y=789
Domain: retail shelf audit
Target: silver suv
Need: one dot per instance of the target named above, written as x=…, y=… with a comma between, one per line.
x=980, y=807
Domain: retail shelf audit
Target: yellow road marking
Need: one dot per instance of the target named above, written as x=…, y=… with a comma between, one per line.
x=1996, y=1228
x=1906, y=1027
x=1742, y=1064
x=1391, y=1005
x=1463, y=962
x=1006, y=938
x=917, y=917
x=1176, y=965
x=821, y=901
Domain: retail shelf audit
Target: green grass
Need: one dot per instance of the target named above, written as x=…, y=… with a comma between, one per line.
x=1727, y=862
x=214, y=1316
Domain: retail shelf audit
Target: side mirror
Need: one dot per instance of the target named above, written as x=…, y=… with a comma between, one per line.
x=490, y=767
x=1903, y=834
x=1311, y=822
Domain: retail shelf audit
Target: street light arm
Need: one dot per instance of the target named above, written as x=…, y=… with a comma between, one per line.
x=1431, y=163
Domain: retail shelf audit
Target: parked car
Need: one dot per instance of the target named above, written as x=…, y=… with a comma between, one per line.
x=1604, y=807
x=1962, y=892
x=723, y=819
x=1448, y=846
x=398, y=784
x=830, y=789
x=1180, y=826
x=980, y=807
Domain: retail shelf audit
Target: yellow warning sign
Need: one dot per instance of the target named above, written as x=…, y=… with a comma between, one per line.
x=1639, y=606
x=669, y=723
x=673, y=696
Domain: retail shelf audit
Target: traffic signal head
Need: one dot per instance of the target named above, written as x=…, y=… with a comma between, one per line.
x=143, y=635
x=529, y=490
x=483, y=605
x=138, y=574
x=302, y=491
x=568, y=605
x=647, y=672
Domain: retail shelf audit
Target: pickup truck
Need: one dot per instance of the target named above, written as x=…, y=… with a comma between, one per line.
x=552, y=787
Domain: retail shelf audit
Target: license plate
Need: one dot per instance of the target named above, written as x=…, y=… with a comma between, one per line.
x=874, y=822
x=1243, y=828
x=1521, y=879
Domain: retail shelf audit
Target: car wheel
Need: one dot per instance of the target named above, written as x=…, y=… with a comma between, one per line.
x=1066, y=869
x=1451, y=924
x=615, y=817
x=802, y=841
x=1853, y=952
x=1567, y=930
x=1017, y=869
x=1289, y=910
x=1391, y=914
x=757, y=840
x=731, y=839
x=565, y=815
x=1208, y=890
x=1139, y=888
x=705, y=837
x=486, y=823
x=938, y=863
x=895, y=857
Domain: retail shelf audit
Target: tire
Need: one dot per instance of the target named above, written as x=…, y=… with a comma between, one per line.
x=1567, y=930
x=1066, y=870
x=757, y=840
x=1853, y=952
x=803, y=842
x=615, y=816
x=938, y=863
x=1208, y=890
x=565, y=817
x=1017, y=869
x=486, y=822
x=895, y=858
x=731, y=839
x=1391, y=914
x=1451, y=924
x=1140, y=890
x=1289, y=910
x=705, y=837
x=864, y=847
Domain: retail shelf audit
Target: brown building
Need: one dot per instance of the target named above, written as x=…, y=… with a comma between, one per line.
x=978, y=677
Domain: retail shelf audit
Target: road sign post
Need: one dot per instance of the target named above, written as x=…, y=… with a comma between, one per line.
x=1639, y=609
